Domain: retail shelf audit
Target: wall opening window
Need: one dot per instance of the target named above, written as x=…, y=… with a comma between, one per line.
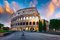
x=24, y=18
x=18, y=13
x=11, y=24
x=27, y=18
x=18, y=23
x=37, y=23
x=21, y=18
x=33, y=17
x=23, y=23
x=33, y=23
x=30, y=23
x=23, y=11
x=30, y=18
x=26, y=23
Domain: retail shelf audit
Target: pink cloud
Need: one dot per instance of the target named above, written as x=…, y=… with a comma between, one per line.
x=54, y=4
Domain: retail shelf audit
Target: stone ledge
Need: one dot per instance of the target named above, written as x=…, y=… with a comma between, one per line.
x=6, y=33
x=2, y=34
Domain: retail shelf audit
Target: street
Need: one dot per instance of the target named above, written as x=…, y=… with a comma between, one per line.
x=30, y=36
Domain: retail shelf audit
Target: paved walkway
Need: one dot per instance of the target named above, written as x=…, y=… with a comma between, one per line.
x=30, y=36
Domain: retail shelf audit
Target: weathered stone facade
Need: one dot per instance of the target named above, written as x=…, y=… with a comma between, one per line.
x=25, y=19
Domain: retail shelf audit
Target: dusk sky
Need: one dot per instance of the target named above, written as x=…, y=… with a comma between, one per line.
x=48, y=9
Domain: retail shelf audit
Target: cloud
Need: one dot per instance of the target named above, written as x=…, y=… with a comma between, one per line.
x=56, y=3
x=15, y=6
x=50, y=10
x=5, y=19
x=33, y=3
x=7, y=8
x=1, y=9
x=57, y=15
x=53, y=5
x=6, y=24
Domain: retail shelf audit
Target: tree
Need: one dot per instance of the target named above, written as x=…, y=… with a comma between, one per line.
x=1, y=25
x=5, y=28
x=40, y=26
x=44, y=26
x=55, y=24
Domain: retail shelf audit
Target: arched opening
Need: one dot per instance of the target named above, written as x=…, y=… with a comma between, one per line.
x=26, y=23
x=30, y=23
x=30, y=17
x=33, y=23
x=23, y=23
x=24, y=18
x=31, y=29
x=37, y=23
x=21, y=18
x=20, y=23
x=27, y=18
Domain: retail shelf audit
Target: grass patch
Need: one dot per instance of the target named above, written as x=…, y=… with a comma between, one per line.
x=3, y=31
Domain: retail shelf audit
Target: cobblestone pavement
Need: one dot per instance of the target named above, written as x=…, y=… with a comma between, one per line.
x=30, y=36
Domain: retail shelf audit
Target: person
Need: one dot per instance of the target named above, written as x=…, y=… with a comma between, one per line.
x=23, y=32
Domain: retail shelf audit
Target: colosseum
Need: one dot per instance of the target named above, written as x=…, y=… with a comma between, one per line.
x=25, y=19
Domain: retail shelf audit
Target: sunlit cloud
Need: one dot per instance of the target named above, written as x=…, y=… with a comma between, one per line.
x=7, y=8
x=50, y=10
x=1, y=9
x=54, y=4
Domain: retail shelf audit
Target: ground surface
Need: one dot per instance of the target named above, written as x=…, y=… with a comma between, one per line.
x=30, y=36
